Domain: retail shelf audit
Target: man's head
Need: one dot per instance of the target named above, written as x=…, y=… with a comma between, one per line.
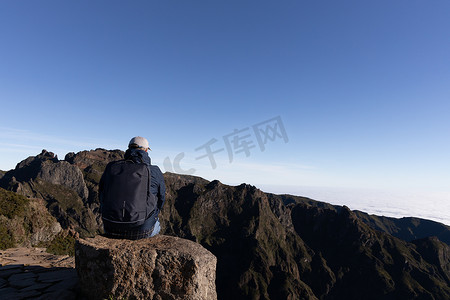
x=139, y=142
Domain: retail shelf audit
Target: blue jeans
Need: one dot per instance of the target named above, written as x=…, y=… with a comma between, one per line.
x=156, y=228
x=149, y=224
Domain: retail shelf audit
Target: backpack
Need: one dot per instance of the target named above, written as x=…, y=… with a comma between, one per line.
x=126, y=198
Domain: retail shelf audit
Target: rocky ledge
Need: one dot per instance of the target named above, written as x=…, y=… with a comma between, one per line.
x=162, y=267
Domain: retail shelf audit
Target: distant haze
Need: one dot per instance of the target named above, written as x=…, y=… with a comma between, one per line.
x=387, y=202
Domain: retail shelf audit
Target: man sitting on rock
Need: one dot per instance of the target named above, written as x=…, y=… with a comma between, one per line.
x=132, y=193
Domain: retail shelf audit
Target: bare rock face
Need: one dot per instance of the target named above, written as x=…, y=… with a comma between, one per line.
x=65, y=174
x=162, y=267
x=48, y=168
x=97, y=158
x=43, y=226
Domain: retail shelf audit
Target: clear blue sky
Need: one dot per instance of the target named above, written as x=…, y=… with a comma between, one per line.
x=361, y=87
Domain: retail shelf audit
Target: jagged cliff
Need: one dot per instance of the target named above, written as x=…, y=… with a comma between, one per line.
x=268, y=246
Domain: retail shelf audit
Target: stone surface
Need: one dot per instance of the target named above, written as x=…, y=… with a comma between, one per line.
x=3, y=282
x=8, y=293
x=13, y=260
x=6, y=271
x=162, y=267
x=22, y=280
x=31, y=273
x=56, y=276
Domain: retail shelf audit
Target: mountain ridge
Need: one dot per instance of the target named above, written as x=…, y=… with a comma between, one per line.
x=268, y=246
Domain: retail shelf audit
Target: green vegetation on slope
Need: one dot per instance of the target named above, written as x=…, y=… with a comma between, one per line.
x=12, y=204
x=62, y=244
x=24, y=222
x=6, y=238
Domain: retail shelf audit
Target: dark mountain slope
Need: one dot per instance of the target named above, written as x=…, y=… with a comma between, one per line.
x=255, y=252
x=371, y=260
x=273, y=249
x=408, y=229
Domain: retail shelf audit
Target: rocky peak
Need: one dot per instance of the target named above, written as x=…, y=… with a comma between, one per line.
x=43, y=156
x=30, y=167
x=46, y=167
x=99, y=156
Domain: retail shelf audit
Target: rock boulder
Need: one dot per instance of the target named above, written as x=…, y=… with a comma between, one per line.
x=162, y=267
